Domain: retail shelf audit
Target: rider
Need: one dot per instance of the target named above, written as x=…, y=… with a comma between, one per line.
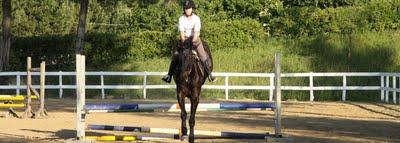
x=189, y=29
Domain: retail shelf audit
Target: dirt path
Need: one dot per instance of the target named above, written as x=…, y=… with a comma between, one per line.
x=305, y=122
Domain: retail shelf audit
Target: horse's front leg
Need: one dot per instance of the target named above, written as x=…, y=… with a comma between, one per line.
x=194, y=103
x=181, y=102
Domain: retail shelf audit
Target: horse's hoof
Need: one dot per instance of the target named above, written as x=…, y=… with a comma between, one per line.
x=191, y=139
x=184, y=137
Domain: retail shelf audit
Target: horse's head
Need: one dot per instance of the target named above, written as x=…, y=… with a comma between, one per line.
x=186, y=63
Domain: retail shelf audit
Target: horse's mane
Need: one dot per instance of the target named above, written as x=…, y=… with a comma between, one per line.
x=187, y=66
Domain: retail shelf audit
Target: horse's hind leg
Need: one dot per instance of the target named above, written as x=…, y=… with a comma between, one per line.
x=181, y=102
x=194, y=102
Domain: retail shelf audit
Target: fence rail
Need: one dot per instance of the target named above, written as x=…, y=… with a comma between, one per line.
x=385, y=86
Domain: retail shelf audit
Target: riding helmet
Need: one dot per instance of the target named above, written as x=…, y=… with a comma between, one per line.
x=189, y=4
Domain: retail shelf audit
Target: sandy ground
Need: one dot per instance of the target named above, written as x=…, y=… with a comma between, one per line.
x=303, y=121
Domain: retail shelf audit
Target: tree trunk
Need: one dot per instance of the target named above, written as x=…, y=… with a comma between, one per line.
x=81, y=26
x=349, y=48
x=5, y=48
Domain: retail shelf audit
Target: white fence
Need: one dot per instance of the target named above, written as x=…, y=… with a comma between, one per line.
x=385, y=86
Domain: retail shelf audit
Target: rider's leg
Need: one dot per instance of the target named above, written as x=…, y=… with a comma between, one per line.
x=204, y=59
x=167, y=78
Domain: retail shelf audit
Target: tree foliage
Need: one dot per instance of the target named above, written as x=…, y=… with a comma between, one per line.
x=142, y=29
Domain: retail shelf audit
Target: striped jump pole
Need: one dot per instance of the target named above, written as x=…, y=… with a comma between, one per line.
x=132, y=137
x=172, y=110
x=175, y=132
x=153, y=110
x=175, y=107
x=112, y=138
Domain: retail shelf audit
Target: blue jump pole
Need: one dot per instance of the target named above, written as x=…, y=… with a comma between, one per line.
x=149, y=107
x=246, y=105
x=112, y=106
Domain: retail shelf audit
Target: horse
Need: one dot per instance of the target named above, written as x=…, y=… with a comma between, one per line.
x=189, y=76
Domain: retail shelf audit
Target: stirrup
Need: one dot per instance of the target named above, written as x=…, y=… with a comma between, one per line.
x=167, y=78
x=212, y=78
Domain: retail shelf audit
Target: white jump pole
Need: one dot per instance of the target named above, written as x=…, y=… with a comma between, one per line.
x=80, y=97
x=278, y=132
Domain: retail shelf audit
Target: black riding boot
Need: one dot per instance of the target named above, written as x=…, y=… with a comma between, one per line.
x=167, y=78
x=207, y=69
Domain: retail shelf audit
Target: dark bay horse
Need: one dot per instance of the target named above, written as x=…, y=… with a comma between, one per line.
x=189, y=77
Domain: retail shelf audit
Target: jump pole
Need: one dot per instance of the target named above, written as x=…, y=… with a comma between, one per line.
x=175, y=132
x=169, y=107
x=19, y=105
x=132, y=137
x=14, y=98
x=173, y=110
x=80, y=97
x=278, y=109
x=42, y=111
x=28, y=101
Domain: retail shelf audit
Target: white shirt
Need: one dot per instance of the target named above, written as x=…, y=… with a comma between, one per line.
x=189, y=25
